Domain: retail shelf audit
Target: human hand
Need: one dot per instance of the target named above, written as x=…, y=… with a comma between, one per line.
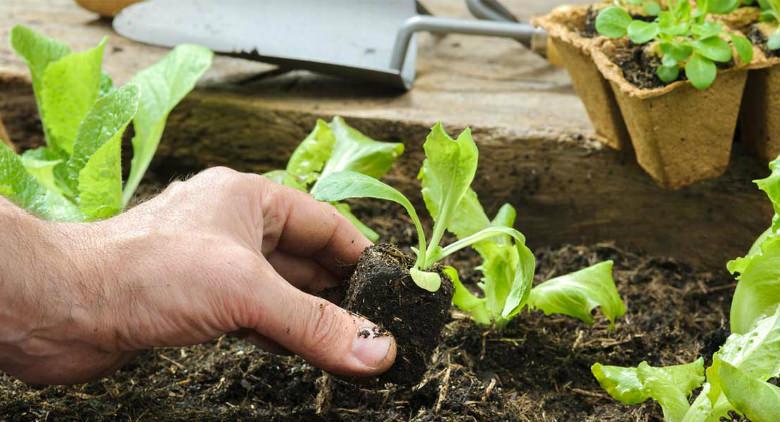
x=223, y=252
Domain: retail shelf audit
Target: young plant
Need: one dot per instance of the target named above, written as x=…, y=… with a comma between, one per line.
x=649, y=7
x=682, y=38
x=737, y=378
x=331, y=148
x=504, y=270
x=77, y=176
x=508, y=264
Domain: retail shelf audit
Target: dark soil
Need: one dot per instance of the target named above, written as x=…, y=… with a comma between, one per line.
x=758, y=38
x=639, y=68
x=382, y=290
x=537, y=369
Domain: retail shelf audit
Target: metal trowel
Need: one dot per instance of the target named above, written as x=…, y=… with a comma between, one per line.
x=367, y=39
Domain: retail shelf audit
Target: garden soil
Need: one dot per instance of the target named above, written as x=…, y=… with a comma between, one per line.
x=538, y=369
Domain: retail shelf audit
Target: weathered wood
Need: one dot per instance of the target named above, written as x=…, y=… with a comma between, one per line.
x=535, y=141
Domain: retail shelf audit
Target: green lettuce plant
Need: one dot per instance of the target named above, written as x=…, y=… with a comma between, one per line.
x=682, y=38
x=331, y=148
x=77, y=176
x=737, y=378
x=508, y=264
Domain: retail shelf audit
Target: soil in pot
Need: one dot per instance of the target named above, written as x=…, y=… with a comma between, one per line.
x=537, y=369
x=382, y=290
x=681, y=135
x=760, y=115
x=572, y=31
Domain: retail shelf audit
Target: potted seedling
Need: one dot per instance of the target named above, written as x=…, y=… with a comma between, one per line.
x=77, y=176
x=760, y=115
x=736, y=380
x=678, y=81
x=331, y=148
x=411, y=295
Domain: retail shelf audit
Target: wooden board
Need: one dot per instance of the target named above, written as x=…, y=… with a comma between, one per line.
x=535, y=140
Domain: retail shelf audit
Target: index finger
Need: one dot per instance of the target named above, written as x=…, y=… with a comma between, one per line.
x=297, y=224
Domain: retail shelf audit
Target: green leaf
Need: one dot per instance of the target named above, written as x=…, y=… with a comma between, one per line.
x=310, y=156
x=349, y=184
x=163, y=85
x=94, y=170
x=722, y=7
x=713, y=48
x=670, y=386
x=758, y=291
x=700, y=71
x=446, y=174
x=42, y=170
x=466, y=301
x=284, y=178
x=470, y=217
x=25, y=191
x=578, y=293
x=754, y=398
x=652, y=8
x=613, y=22
x=678, y=51
x=70, y=87
x=356, y=152
x=744, y=48
x=426, y=280
x=346, y=211
x=621, y=383
x=641, y=32
x=668, y=73
x=771, y=187
x=38, y=51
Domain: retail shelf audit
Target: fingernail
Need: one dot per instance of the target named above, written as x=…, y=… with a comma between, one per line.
x=372, y=346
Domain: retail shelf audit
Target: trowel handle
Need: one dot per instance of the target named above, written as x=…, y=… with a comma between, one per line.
x=490, y=10
x=533, y=38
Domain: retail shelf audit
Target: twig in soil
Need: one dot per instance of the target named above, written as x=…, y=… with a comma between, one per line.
x=444, y=388
x=177, y=364
x=489, y=389
x=324, y=394
x=589, y=393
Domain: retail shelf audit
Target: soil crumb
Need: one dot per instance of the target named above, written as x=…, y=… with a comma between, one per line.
x=638, y=67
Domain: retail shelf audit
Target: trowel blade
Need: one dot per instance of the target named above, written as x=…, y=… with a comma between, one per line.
x=342, y=37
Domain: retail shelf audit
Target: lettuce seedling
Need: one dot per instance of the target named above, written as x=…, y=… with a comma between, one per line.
x=737, y=378
x=508, y=264
x=450, y=165
x=682, y=38
x=331, y=148
x=77, y=176
x=506, y=271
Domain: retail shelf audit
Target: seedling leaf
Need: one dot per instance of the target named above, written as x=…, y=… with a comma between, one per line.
x=613, y=22
x=163, y=85
x=701, y=71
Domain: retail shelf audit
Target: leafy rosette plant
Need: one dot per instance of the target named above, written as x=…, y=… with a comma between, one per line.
x=681, y=38
x=508, y=264
x=737, y=378
x=77, y=176
x=334, y=147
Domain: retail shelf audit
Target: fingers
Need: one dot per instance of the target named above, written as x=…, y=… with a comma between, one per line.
x=322, y=333
x=303, y=273
x=297, y=224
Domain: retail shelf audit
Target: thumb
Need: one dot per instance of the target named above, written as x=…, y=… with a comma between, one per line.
x=327, y=336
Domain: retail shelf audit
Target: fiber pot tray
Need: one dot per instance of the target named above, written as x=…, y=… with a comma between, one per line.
x=572, y=35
